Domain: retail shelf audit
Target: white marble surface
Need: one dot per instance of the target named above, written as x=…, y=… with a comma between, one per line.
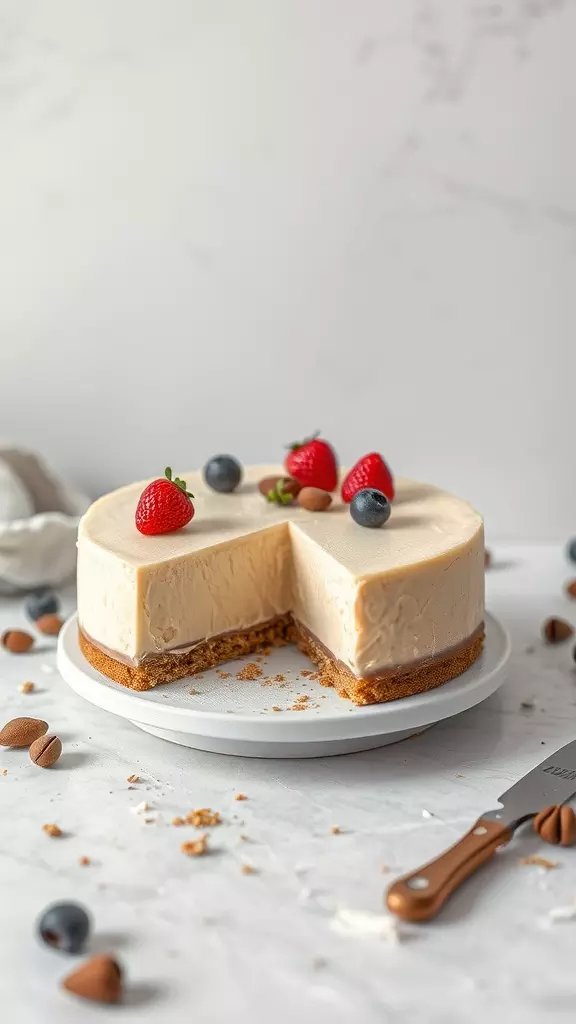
x=372, y=202
x=201, y=941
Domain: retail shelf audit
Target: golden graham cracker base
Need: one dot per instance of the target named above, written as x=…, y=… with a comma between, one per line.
x=392, y=684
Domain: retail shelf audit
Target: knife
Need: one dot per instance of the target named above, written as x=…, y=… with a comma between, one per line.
x=419, y=895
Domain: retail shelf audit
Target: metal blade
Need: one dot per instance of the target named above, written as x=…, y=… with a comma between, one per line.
x=551, y=782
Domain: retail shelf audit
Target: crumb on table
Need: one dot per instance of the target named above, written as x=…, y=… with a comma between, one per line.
x=203, y=817
x=52, y=830
x=195, y=848
x=541, y=862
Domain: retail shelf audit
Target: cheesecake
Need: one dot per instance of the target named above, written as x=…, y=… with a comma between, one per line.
x=383, y=613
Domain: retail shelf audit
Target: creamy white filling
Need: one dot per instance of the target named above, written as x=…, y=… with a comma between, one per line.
x=421, y=592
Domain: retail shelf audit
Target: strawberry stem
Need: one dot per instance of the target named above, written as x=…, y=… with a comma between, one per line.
x=181, y=484
x=300, y=444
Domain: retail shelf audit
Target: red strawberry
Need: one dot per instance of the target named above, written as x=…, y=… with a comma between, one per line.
x=313, y=463
x=369, y=471
x=164, y=506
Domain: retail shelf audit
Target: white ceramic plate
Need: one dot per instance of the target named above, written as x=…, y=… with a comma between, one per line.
x=227, y=716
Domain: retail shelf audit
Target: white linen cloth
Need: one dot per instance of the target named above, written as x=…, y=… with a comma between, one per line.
x=39, y=516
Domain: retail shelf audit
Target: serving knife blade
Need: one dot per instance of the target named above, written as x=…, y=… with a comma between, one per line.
x=419, y=895
x=553, y=781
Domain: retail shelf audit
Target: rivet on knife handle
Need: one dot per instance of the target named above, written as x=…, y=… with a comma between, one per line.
x=420, y=895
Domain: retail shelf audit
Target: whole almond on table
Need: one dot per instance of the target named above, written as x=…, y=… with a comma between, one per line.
x=99, y=980
x=45, y=751
x=314, y=499
x=556, y=631
x=21, y=732
x=17, y=641
x=50, y=625
x=571, y=588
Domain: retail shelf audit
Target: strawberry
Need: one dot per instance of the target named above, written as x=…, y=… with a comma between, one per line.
x=369, y=471
x=313, y=463
x=164, y=506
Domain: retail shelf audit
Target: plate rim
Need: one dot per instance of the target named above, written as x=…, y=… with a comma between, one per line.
x=451, y=698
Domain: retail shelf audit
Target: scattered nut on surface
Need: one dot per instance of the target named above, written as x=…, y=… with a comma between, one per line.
x=178, y=821
x=195, y=848
x=240, y=796
x=571, y=588
x=556, y=631
x=314, y=499
x=99, y=980
x=21, y=732
x=52, y=830
x=45, y=751
x=556, y=824
x=84, y=861
x=27, y=687
x=133, y=778
x=50, y=625
x=336, y=830
x=17, y=641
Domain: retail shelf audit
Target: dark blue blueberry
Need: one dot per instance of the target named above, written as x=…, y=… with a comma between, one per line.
x=223, y=473
x=571, y=549
x=370, y=507
x=42, y=602
x=65, y=926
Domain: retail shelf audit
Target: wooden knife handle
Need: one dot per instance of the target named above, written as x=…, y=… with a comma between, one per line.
x=420, y=895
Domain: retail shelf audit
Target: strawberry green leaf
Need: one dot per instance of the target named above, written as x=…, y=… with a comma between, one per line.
x=300, y=444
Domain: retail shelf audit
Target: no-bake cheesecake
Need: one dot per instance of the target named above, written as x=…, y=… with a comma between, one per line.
x=383, y=613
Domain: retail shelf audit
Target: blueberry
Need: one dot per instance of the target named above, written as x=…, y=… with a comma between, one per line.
x=571, y=550
x=64, y=926
x=370, y=507
x=41, y=602
x=223, y=473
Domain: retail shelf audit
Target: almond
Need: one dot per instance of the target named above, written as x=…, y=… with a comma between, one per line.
x=99, y=979
x=49, y=624
x=314, y=499
x=21, y=732
x=571, y=588
x=45, y=751
x=17, y=641
x=556, y=631
x=281, y=489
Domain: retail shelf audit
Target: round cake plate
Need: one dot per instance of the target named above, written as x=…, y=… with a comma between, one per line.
x=230, y=716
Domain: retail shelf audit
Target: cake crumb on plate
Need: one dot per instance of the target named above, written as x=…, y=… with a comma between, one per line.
x=250, y=672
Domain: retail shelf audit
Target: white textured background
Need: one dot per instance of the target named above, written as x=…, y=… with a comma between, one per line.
x=223, y=224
